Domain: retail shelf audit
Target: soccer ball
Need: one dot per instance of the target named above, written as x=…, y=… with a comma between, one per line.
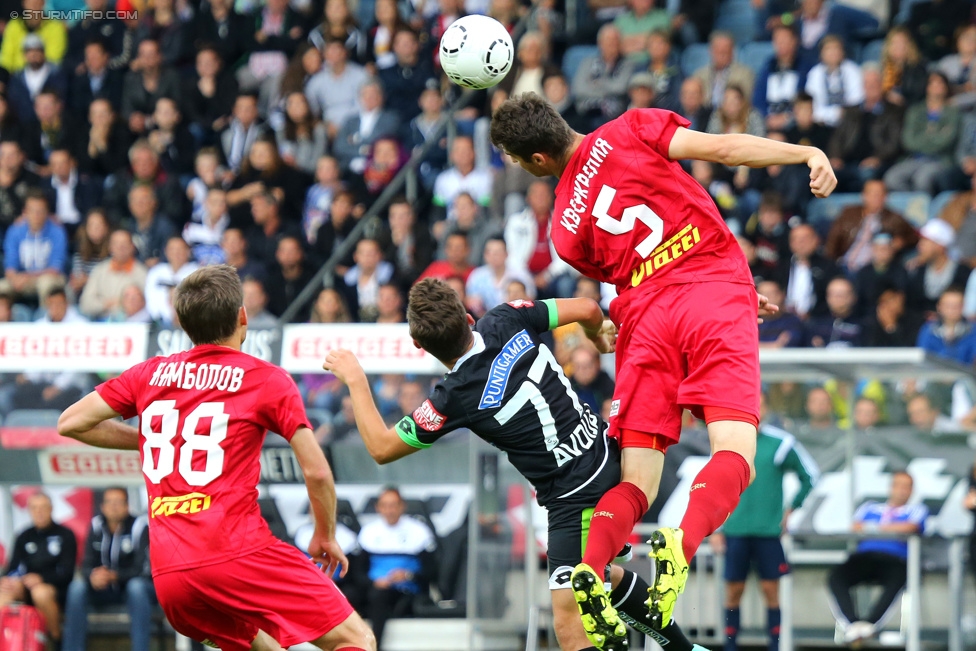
x=476, y=52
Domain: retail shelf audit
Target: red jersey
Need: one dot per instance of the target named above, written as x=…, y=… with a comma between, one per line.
x=628, y=215
x=203, y=415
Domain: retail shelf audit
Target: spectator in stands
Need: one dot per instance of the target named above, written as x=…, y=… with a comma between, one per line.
x=851, y=234
x=57, y=309
x=96, y=80
x=399, y=550
x=244, y=129
x=52, y=35
x=262, y=172
x=693, y=108
x=486, y=285
x=319, y=196
x=884, y=271
x=960, y=213
x=950, y=334
x=932, y=270
x=146, y=171
x=722, y=70
x=255, y=304
x=891, y=325
x=35, y=252
x=145, y=84
x=209, y=96
x=462, y=176
x=735, y=115
x=302, y=137
x=289, y=277
x=590, y=382
x=408, y=244
x=114, y=570
x=819, y=411
x=778, y=82
x=50, y=130
x=379, y=37
x=783, y=329
x=91, y=247
x=359, y=131
x=637, y=23
x=278, y=31
x=664, y=71
x=600, y=83
x=234, y=247
x=171, y=139
x=41, y=565
x=750, y=538
x=204, y=237
x=530, y=246
x=818, y=18
x=94, y=26
x=960, y=68
x=150, y=229
x=15, y=182
x=926, y=418
x=455, y=263
x=74, y=194
x=877, y=561
x=331, y=235
x=531, y=65
x=640, y=91
x=804, y=130
x=109, y=277
x=330, y=308
x=104, y=146
x=9, y=125
x=835, y=83
x=361, y=283
x=222, y=27
x=770, y=235
x=903, y=77
x=867, y=415
x=929, y=137
x=840, y=327
x=406, y=79
x=423, y=127
x=269, y=228
x=38, y=74
x=556, y=92
x=132, y=307
x=389, y=305
x=334, y=91
x=474, y=223
x=166, y=275
x=867, y=139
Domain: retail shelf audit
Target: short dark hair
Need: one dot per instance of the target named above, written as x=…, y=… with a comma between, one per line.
x=438, y=320
x=527, y=124
x=36, y=194
x=803, y=97
x=117, y=489
x=57, y=291
x=207, y=303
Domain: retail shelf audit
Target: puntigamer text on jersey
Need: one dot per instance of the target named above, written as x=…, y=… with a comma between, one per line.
x=188, y=375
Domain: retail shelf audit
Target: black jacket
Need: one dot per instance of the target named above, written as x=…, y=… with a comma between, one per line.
x=126, y=552
x=50, y=552
x=80, y=94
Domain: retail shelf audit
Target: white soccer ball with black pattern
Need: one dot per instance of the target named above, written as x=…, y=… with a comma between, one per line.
x=476, y=52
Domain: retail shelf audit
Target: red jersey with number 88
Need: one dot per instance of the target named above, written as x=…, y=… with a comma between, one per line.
x=203, y=415
x=626, y=214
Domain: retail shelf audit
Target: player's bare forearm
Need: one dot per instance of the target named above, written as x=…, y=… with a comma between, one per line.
x=382, y=442
x=90, y=420
x=319, y=481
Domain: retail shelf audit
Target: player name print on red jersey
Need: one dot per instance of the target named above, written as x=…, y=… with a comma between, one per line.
x=581, y=184
x=428, y=418
x=188, y=375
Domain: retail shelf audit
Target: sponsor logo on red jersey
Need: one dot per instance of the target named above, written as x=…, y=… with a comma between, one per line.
x=520, y=303
x=429, y=418
x=665, y=254
x=183, y=504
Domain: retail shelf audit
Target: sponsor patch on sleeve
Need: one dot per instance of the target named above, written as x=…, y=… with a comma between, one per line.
x=429, y=418
x=520, y=303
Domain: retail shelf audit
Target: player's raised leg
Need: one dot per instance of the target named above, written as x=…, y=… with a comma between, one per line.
x=351, y=635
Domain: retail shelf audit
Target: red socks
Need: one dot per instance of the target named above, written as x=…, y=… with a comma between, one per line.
x=714, y=495
x=613, y=520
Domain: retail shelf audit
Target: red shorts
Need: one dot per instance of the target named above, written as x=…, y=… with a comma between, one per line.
x=684, y=346
x=277, y=590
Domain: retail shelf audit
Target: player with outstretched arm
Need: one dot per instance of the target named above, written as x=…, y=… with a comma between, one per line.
x=220, y=575
x=626, y=213
x=505, y=386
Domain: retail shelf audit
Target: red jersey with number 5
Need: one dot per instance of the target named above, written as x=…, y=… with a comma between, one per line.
x=203, y=415
x=626, y=214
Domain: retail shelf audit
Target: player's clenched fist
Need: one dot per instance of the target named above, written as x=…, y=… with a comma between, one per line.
x=343, y=364
x=822, y=177
x=605, y=338
x=327, y=553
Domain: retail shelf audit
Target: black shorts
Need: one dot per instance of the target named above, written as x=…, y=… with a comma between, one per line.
x=61, y=593
x=765, y=554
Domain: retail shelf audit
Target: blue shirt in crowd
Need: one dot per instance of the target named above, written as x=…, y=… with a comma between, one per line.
x=25, y=251
x=880, y=513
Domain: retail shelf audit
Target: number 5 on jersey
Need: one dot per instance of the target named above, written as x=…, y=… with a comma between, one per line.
x=631, y=215
x=156, y=469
